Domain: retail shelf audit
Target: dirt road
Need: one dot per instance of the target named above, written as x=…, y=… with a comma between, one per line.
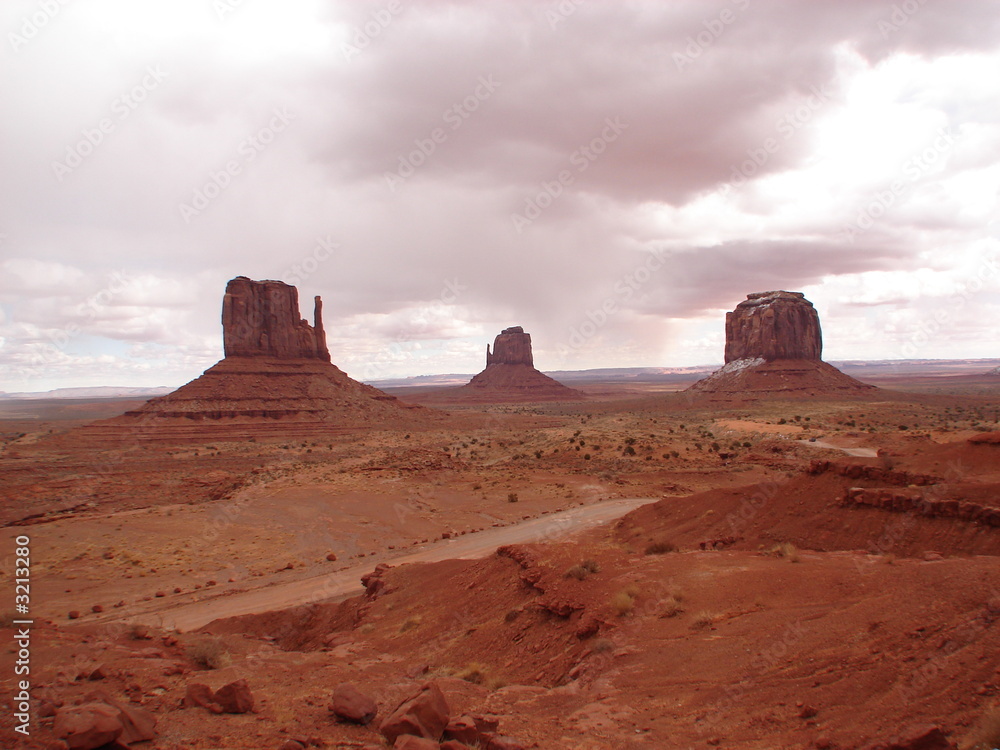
x=347, y=582
x=859, y=452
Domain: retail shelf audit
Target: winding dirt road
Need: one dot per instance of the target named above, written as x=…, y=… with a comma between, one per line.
x=347, y=582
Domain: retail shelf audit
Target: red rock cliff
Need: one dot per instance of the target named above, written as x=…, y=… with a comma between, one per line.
x=772, y=326
x=261, y=319
x=512, y=346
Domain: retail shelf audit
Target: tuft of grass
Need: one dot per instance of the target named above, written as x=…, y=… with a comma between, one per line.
x=670, y=607
x=704, y=619
x=410, y=623
x=660, y=547
x=603, y=646
x=210, y=653
x=511, y=497
x=480, y=674
x=578, y=572
x=591, y=565
x=786, y=550
x=622, y=603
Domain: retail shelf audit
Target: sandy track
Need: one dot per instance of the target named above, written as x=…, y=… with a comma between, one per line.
x=347, y=582
x=858, y=452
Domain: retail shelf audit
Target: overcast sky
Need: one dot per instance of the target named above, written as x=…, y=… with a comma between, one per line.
x=613, y=176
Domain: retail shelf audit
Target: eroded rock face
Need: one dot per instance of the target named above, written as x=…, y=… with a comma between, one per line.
x=772, y=326
x=261, y=319
x=512, y=346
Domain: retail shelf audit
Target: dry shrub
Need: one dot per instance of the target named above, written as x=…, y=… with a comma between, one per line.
x=660, y=547
x=622, y=603
x=210, y=653
x=704, y=619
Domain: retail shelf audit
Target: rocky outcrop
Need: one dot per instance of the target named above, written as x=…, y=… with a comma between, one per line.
x=773, y=348
x=276, y=378
x=510, y=376
x=512, y=346
x=773, y=325
x=261, y=319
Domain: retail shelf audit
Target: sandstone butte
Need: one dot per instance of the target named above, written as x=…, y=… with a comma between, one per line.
x=774, y=346
x=276, y=377
x=510, y=376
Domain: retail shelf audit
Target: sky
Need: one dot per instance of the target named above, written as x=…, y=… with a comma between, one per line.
x=612, y=176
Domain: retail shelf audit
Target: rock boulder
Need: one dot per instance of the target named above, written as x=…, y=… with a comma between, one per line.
x=773, y=325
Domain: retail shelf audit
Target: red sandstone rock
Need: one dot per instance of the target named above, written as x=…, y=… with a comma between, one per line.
x=510, y=376
x=422, y=715
x=410, y=742
x=88, y=726
x=261, y=319
x=201, y=695
x=235, y=698
x=773, y=325
x=462, y=729
x=512, y=346
x=773, y=346
x=349, y=704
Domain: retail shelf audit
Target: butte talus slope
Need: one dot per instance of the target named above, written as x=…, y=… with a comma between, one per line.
x=276, y=376
x=774, y=346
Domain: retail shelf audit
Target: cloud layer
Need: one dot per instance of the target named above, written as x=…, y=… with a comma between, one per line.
x=613, y=177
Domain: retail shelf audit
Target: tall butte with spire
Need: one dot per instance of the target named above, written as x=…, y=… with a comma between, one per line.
x=276, y=377
x=774, y=346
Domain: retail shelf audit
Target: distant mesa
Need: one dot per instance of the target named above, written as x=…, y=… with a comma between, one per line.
x=774, y=345
x=510, y=376
x=276, y=378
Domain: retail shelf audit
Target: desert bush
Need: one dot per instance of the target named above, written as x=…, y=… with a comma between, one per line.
x=660, y=547
x=786, y=550
x=629, y=451
x=603, y=646
x=704, y=619
x=480, y=674
x=578, y=572
x=210, y=653
x=670, y=607
x=511, y=497
x=622, y=603
x=411, y=622
x=591, y=565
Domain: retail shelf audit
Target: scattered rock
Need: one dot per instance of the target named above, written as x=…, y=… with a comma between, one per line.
x=291, y=745
x=201, y=695
x=463, y=729
x=73, y=614
x=235, y=698
x=410, y=742
x=89, y=726
x=423, y=715
x=97, y=608
x=347, y=703
x=100, y=673
x=331, y=557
